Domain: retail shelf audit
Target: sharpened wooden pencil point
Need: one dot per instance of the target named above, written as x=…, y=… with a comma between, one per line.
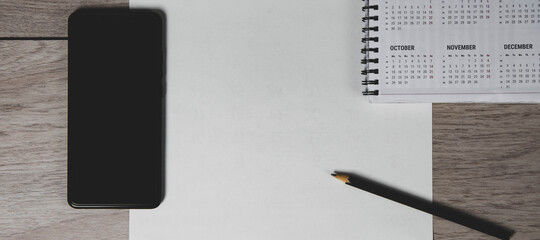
x=341, y=177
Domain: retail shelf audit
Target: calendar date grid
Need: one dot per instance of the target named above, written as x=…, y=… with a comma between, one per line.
x=405, y=69
x=519, y=70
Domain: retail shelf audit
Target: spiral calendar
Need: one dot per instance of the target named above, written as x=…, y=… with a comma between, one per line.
x=451, y=50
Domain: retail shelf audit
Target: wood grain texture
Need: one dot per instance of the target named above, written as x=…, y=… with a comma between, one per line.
x=43, y=18
x=486, y=161
x=33, y=150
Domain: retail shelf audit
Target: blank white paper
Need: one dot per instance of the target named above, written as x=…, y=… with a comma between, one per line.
x=263, y=103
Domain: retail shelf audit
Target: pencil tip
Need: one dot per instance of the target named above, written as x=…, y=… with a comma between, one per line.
x=341, y=177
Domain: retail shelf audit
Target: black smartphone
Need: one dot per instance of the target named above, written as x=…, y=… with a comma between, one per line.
x=115, y=108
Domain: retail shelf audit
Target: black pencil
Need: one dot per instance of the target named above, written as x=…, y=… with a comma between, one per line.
x=421, y=204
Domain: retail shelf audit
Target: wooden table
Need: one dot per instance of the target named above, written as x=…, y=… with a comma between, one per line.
x=486, y=157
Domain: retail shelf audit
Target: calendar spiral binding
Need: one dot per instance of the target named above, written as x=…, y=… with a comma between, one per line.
x=367, y=49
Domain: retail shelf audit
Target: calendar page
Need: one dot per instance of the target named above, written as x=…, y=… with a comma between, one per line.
x=454, y=50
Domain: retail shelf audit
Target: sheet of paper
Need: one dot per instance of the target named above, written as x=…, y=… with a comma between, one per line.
x=263, y=103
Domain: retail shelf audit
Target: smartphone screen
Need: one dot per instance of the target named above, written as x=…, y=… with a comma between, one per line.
x=115, y=109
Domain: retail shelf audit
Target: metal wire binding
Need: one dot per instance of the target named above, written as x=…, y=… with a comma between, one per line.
x=366, y=60
x=372, y=82
x=367, y=49
x=374, y=18
x=374, y=7
x=372, y=93
x=367, y=71
x=373, y=39
x=375, y=29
